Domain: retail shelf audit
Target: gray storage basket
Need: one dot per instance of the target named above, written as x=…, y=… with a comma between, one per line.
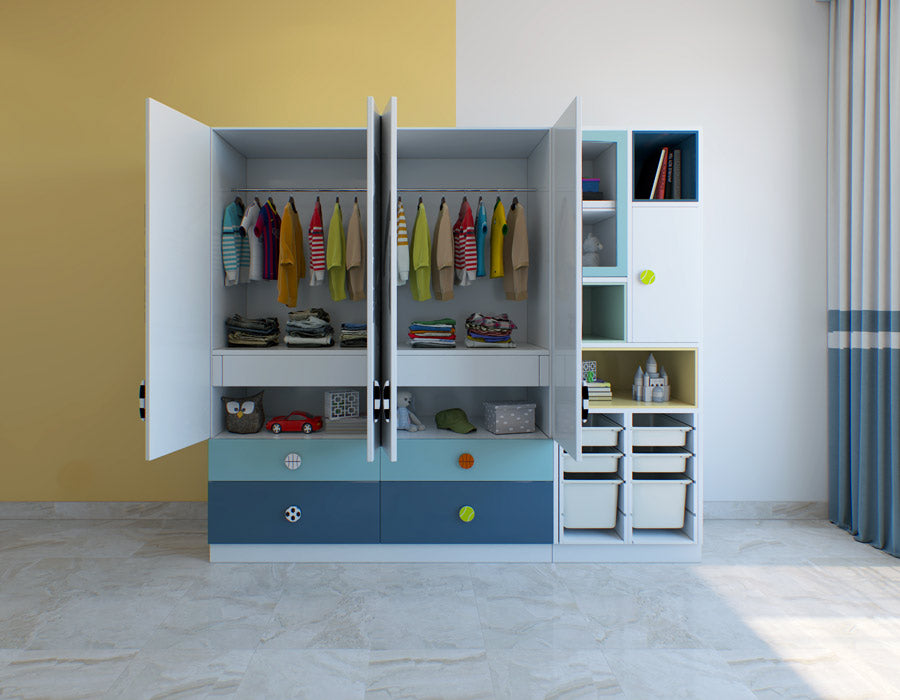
x=506, y=417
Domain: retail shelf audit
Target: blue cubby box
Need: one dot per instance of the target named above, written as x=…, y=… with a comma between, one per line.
x=604, y=197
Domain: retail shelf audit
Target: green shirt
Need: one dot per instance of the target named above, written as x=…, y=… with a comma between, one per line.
x=420, y=258
x=334, y=256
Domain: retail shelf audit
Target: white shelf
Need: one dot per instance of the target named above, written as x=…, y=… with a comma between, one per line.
x=521, y=349
x=596, y=210
x=641, y=407
x=573, y=536
x=283, y=350
x=660, y=537
x=481, y=433
x=266, y=435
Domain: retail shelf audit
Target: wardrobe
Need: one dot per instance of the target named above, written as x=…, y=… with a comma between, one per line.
x=377, y=493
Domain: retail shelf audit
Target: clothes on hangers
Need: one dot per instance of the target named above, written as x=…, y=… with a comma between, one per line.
x=335, y=256
x=402, y=246
x=481, y=231
x=465, y=261
x=267, y=229
x=498, y=231
x=232, y=243
x=254, y=245
x=442, y=256
x=420, y=257
x=316, y=236
x=291, y=262
x=515, y=255
x=356, y=256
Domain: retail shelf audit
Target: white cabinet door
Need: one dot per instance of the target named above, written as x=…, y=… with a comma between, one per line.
x=565, y=164
x=666, y=243
x=388, y=328
x=374, y=252
x=179, y=231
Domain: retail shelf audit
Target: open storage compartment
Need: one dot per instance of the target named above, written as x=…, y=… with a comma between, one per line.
x=603, y=215
x=602, y=431
x=648, y=147
x=618, y=366
x=602, y=313
x=660, y=501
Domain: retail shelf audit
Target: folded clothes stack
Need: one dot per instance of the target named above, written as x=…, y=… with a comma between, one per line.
x=440, y=333
x=309, y=328
x=251, y=332
x=353, y=335
x=485, y=331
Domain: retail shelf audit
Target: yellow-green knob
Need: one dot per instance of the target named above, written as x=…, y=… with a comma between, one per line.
x=467, y=514
x=647, y=277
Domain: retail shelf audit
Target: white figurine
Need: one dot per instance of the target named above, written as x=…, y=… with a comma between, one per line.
x=590, y=251
x=406, y=419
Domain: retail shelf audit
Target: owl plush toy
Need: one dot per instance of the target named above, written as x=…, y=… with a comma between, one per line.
x=244, y=415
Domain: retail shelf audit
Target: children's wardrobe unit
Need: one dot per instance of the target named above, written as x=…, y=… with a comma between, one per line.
x=383, y=494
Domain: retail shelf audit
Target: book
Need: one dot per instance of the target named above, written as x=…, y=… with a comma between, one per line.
x=670, y=166
x=659, y=185
x=659, y=167
x=676, y=174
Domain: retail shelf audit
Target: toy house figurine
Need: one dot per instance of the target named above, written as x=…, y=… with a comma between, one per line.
x=652, y=385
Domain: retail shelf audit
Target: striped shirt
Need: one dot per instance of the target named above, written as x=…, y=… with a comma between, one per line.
x=267, y=230
x=465, y=254
x=402, y=246
x=232, y=243
x=316, y=238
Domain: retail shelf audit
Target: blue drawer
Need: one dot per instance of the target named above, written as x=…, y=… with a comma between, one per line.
x=251, y=512
x=263, y=459
x=505, y=512
x=504, y=459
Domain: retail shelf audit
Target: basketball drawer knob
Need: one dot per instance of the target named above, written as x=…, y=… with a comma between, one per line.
x=293, y=461
x=467, y=514
x=466, y=461
x=292, y=514
x=647, y=277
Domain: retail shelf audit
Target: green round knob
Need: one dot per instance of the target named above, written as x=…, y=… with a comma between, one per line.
x=467, y=514
x=647, y=277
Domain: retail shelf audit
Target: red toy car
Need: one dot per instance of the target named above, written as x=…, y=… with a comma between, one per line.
x=295, y=422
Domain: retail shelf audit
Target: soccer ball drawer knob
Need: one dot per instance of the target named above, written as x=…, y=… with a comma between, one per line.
x=293, y=461
x=292, y=514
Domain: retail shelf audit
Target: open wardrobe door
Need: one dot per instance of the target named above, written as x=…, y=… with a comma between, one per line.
x=565, y=153
x=374, y=252
x=178, y=229
x=388, y=329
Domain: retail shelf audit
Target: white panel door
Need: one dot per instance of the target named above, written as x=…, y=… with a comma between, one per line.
x=388, y=328
x=565, y=164
x=666, y=242
x=177, y=296
x=373, y=267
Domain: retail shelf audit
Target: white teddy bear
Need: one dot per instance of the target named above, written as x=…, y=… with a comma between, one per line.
x=406, y=419
x=590, y=251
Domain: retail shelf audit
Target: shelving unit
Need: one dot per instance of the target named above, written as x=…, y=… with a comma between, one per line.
x=605, y=219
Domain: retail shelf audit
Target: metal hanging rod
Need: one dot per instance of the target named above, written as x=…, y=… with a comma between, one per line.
x=467, y=189
x=298, y=189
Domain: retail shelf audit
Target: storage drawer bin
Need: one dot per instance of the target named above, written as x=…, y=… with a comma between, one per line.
x=509, y=459
x=659, y=502
x=658, y=430
x=599, y=462
x=590, y=504
x=508, y=417
x=600, y=432
x=272, y=459
x=659, y=459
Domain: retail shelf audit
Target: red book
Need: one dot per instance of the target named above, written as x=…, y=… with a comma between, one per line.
x=659, y=184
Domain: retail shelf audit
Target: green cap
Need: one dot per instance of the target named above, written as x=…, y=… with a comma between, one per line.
x=454, y=419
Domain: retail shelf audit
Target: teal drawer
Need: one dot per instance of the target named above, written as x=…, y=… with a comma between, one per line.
x=261, y=459
x=493, y=460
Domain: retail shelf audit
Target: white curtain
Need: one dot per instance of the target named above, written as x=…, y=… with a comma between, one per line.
x=864, y=270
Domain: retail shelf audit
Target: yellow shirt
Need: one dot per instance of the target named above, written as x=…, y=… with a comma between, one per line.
x=334, y=256
x=420, y=258
x=498, y=232
x=291, y=262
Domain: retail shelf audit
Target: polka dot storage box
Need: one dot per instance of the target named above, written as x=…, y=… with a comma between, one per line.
x=505, y=417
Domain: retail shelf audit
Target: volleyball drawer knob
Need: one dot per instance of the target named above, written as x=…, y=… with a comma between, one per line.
x=293, y=461
x=467, y=514
x=466, y=461
x=647, y=277
x=292, y=514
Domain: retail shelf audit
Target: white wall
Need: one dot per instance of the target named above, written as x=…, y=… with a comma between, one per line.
x=752, y=75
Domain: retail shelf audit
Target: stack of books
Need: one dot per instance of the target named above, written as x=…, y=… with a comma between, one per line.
x=598, y=392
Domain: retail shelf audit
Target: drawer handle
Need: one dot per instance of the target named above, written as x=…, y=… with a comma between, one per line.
x=647, y=277
x=293, y=461
x=467, y=514
x=292, y=514
x=466, y=461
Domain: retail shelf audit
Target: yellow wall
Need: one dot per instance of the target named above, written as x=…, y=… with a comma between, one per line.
x=74, y=78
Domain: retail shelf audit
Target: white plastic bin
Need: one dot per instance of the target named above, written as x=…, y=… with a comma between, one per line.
x=600, y=462
x=659, y=502
x=659, y=460
x=658, y=430
x=600, y=432
x=590, y=504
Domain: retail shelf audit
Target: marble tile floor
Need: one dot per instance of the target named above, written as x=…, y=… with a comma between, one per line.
x=132, y=609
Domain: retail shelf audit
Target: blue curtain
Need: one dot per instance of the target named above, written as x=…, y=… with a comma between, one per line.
x=864, y=270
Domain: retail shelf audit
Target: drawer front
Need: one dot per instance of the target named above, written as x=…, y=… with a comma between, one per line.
x=503, y=459
x=429, y=512
x=253, y=512
x=286, y=369
x=472, y=369
x=263, y=459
